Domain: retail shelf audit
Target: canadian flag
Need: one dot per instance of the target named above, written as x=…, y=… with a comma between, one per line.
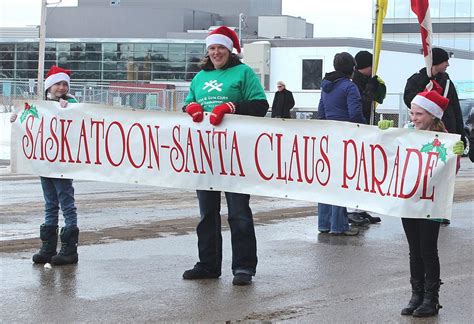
x=422, y=10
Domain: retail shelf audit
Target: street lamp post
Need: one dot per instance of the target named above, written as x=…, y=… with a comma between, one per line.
x=241, y=20
x=41, y=51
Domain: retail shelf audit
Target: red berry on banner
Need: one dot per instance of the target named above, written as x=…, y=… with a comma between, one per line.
x=27, y=106
x=436, y=142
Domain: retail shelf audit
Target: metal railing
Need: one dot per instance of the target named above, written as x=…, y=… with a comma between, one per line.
x=113, y=95
x=144, y=97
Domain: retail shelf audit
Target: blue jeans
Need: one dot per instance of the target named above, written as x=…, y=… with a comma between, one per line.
x=242, y=231
x=332, y=218
x=58, y=192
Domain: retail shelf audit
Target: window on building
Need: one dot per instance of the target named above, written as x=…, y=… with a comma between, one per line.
x=402, y=9
x=434, y=8
x=105, y=61
x=463, y=8
x=446, y=8
x=390, y=9
x=312, y=74
x=462, y=42
x=446, y=40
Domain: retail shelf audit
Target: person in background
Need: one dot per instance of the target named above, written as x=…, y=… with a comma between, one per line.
x=427, y=109
x=371, y=88
x=452, y=118
x=58, y=193
x=238, y=91
x=340, y=100
x=283, y=102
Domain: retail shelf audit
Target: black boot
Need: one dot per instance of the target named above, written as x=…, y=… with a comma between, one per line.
x=417, y=294
x=68, y=253
x=49, y=237
x=198, y=272
x=372, y=219
x=356, y=220
x=430, y=305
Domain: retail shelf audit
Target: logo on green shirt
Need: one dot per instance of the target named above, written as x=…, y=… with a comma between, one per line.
x=213, y=85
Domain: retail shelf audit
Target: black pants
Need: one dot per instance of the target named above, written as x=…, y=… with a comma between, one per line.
x=422, y=236
x=242, y=232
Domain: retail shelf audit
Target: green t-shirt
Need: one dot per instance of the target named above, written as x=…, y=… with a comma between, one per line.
x=212, y=88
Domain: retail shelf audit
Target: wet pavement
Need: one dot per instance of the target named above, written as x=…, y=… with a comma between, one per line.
x=302, y=276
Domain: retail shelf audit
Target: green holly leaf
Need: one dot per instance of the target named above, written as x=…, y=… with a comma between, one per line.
x=24, y=114
x=442, y=152
x=29, y=110
x=427, y=148
x=34, y=111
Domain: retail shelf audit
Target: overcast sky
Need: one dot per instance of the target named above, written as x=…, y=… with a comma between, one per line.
x=331, y=18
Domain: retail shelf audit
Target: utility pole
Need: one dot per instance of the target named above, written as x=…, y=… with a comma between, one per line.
x=241, y=20
x=42, y=47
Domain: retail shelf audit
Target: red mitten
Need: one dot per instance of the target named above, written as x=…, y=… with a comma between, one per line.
x=219, y=111
x=195, y=111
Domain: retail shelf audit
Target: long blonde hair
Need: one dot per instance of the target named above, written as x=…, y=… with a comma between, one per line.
x=437, y=126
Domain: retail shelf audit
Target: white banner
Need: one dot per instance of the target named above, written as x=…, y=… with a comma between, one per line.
x=398, y=172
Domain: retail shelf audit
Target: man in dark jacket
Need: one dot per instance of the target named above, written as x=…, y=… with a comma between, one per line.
x=452, y=117
x=371, y=88
x=283, y=102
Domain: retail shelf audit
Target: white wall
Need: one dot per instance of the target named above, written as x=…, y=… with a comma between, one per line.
x=394, y=68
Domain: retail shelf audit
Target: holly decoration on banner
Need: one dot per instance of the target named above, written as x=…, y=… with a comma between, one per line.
x=29, y=110
x=437, y=146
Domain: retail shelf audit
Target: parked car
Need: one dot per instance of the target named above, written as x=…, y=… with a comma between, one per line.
x=467, y=109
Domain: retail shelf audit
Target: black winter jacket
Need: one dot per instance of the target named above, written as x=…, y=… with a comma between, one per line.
x=452, y=117
x=283, y=102
x=370, y=90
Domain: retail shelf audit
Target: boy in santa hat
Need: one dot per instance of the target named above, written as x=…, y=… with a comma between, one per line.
x=426, y=112
x=58, y=193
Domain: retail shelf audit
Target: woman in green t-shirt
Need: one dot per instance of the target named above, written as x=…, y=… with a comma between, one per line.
x=224, y=86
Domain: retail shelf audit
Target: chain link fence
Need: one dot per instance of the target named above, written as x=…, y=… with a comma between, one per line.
x=150, y=98
x=137, y=97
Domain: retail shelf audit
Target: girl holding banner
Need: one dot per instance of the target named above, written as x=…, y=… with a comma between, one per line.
x=57, y=192
x=224, y=86
x=426, y=111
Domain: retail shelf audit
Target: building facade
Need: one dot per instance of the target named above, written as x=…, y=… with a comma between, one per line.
x=96, y=60
x=452, y=21
x=104, y=41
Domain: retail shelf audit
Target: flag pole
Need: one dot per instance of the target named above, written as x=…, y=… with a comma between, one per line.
x=41, y=50
x=372, y=104
x=380, y=11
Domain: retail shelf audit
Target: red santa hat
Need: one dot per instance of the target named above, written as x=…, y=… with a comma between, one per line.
x=55, y=75
x=224, y=36
x=432, y=101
